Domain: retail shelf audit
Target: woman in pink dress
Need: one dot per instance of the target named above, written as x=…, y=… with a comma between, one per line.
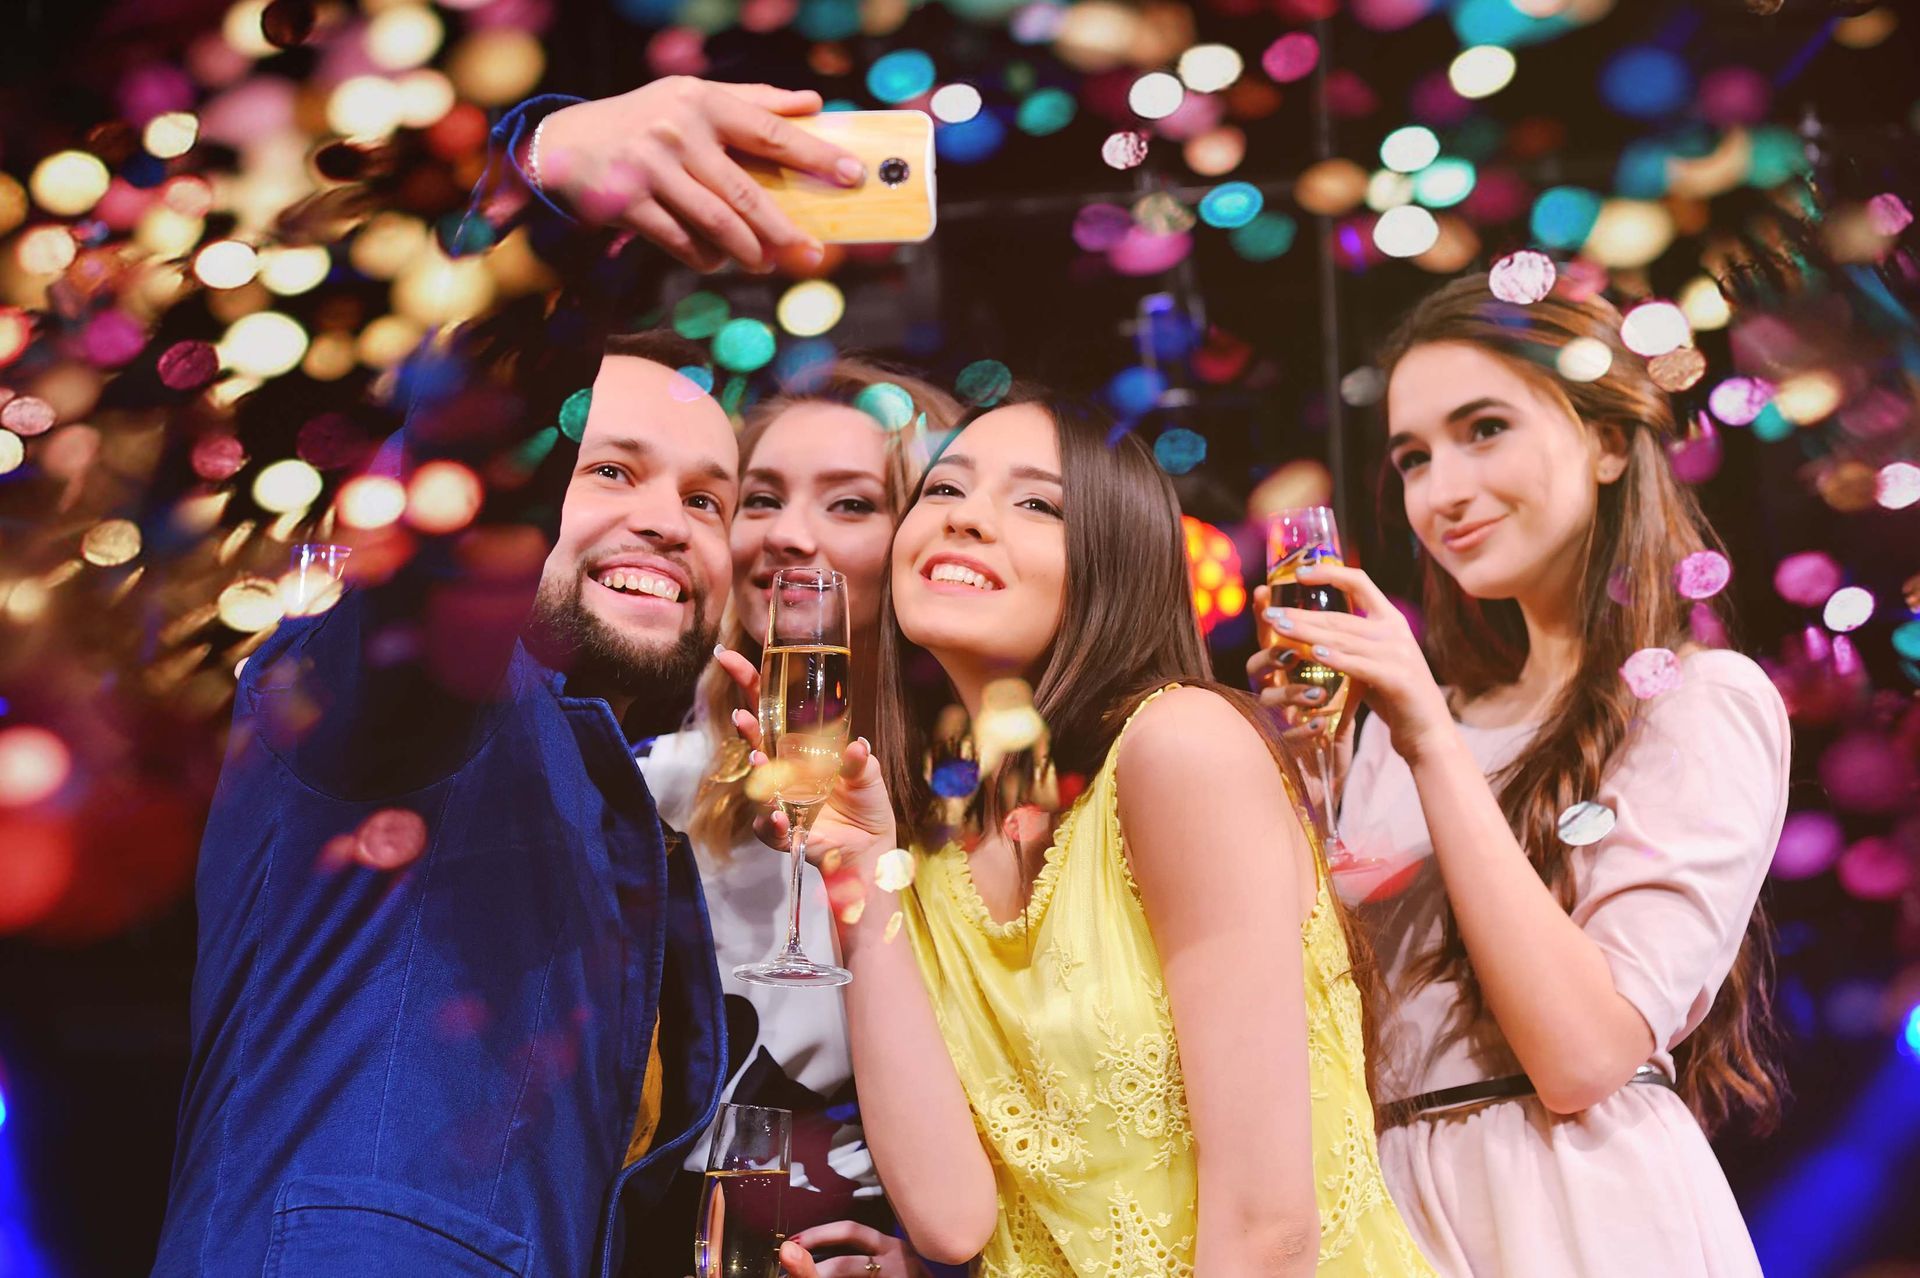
x=1559, y=828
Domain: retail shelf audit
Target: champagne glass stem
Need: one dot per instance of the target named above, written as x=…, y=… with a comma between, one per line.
x=1323, y=749
x=799, y=822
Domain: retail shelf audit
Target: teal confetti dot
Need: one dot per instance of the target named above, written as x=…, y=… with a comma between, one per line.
x=534, y=451
x=699, y=316
x=900, y=76
x=1906, y=640
x=1231, y=205
x=1445, y=182
x=1772, y=425
x=983, y=383
x=1179, y=450
x=573, y=413
x=1564, y=216
x=1266, y=237
x=1045, y=112
x=699, y=374
x=887, y=404
x=734, y=394
x=743, y=345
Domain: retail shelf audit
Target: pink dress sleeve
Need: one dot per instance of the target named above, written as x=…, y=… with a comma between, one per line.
x=1699, y=794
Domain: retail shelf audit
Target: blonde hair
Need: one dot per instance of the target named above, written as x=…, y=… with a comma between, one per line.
x=722, y=812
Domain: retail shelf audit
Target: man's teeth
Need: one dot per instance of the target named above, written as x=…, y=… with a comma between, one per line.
x=641, y=583
x=963, y=575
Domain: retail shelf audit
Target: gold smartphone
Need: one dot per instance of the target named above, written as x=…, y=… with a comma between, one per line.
x=895, y=205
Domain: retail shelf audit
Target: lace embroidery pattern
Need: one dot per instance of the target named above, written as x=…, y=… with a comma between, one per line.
x=1136, y=1242
x=1035, y=1119
x=1140, y=1082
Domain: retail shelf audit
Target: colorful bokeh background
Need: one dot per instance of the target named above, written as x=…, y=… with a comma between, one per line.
x=225, y=227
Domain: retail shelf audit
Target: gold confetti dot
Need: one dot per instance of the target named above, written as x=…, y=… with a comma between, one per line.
x=110, y=543
x=893, y=926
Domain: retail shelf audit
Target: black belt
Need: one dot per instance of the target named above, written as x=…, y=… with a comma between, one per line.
x=1400, y=1112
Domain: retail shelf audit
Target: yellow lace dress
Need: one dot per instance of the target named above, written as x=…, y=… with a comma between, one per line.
x=1060, y=1031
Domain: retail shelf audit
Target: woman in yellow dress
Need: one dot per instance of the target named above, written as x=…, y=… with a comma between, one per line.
x=1129, y=1044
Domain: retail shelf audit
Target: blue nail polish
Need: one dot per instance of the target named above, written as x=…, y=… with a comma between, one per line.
x=1320, y=651
x=1279, y=617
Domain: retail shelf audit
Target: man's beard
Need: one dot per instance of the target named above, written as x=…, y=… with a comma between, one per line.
x=600, y=661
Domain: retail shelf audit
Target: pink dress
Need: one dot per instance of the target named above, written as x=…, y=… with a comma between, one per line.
x=1630, y=1186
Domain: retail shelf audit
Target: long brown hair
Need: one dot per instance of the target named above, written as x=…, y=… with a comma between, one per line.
x=1645, y=523
x=1128, y=629
x=722, y=813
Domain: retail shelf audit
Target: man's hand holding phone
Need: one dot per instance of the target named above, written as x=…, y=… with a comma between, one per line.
x=656, y=160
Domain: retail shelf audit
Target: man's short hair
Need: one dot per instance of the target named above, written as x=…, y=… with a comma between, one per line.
x=661, y=345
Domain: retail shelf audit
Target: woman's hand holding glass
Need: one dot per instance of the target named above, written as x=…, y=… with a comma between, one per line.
x=1374, y=646
x=856, y=823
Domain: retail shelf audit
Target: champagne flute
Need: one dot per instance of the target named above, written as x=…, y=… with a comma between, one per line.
x=806, y=712
x=1318, y=700
x=316, y=569
x=741, y=1222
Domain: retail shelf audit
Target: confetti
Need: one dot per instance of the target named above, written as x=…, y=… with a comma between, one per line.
x=1522, y=278
x=983, y=383
x=573, y=413
x=893, y=926
x=1585, y=824
x=111, y=543
x=1702, y=575
x=1738, y=400
x=1806, y=579
x=893, y=872
x=1651, y=671
x=27, y=416
x=1179, y=450
x=1126, y=149
x=391, y=838
x=955, y=778
x=1677, y=370
x=887, y=404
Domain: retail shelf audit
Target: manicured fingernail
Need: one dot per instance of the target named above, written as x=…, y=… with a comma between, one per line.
x=851, y=171
x=1315, y=695
x=1320, y=651
x=1279, y=617
x=719, y=650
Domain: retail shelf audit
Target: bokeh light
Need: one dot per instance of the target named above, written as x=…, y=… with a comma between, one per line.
x=264, y=344
x=34, y=763
x=1482, y=71
x=1209, y=68
x=69, y=183
x=443, y=497
x=1155, y=96
x=1409, y=149
x=811, y=308
x=1654, y=328
x=1848, y=608
x=1407, y=231
x=286, y=485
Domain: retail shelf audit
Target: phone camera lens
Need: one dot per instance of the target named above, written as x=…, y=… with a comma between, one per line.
x=894, y=171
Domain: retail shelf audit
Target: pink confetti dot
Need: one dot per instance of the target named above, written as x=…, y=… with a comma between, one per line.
x=1702, y=575
x=218, y=457
x=1522, y=278
x=27, y=415
x=1141, y=252
x=1098, y=227
x=1738, y=400
x=391, y=838
x=1865, y=772
x=1888, y=214
x=1808, y=579
x=1126, y=149
x=113, y=338
x=1651, y=671
x=188, y=366
x=1875, y=869
x=1809, y=843
x=1291, y=57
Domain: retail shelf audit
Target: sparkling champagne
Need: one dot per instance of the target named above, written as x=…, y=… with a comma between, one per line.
x=805, y=717
x=1300, y=668
x=740, y=1226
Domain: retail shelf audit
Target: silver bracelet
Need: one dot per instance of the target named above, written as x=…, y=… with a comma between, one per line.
x=533, y=155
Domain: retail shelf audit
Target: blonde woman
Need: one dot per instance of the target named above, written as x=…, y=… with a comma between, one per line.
x=822, y=483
